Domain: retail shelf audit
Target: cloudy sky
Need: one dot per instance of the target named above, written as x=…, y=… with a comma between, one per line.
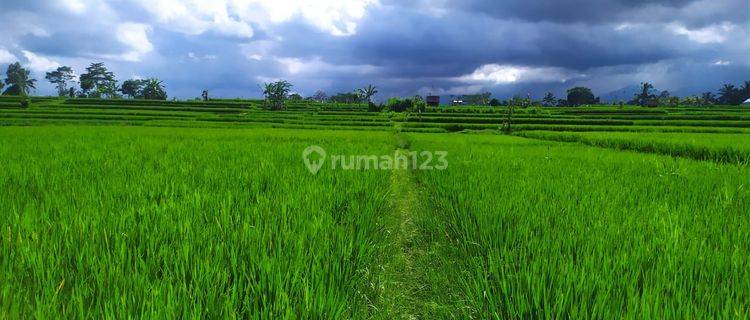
x=404, y=47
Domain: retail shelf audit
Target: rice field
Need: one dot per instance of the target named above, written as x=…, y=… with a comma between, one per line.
x=548, y=230
x=143, y=209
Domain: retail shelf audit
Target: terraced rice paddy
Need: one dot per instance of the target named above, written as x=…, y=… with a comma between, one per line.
x=250, y=113
x=143, y=209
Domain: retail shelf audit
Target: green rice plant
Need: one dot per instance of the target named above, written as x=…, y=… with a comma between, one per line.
x=119, y=222
x=724, y=148
x=533, y=229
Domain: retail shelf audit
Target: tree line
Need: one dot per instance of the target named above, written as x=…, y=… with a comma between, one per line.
x=96, y=82
x=646, y=96
x=579, y=96
x=99, y=82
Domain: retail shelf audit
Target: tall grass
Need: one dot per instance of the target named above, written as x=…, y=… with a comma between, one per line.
x=117, y=222
x=724, y=148
x=544, y=230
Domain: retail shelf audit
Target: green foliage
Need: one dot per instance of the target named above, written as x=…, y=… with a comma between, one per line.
x=19, y=80
x=60, y=78
x=549, y=100
x=581, y=96
x=731, y=95
x=400, y=105
x=153, y=89
x=346, y=97
x=366, y=93
x=132, y=88
x=480, y=99
x=645, y=97
x=98, y=82
x=276, y=93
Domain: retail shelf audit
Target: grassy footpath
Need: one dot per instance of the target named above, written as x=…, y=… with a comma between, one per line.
x=413, y=283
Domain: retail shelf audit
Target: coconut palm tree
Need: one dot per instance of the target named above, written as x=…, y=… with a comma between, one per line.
x=19, y=81
x=368, y=92
x=276, y=93
x=153, y=89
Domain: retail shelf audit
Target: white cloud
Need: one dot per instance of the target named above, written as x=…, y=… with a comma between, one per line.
x=39, y=63
x=6, y=56
x=192, y=56
x=236, y=17
x=74, y=6
x=135, y=36
x=257, y=50
x=507, y=74
x=722, y=63
x=197, y=16
x=717, y=33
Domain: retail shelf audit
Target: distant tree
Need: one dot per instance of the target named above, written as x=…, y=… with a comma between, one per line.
x=418, y=104
x=731, y=95
x=368, y=92
x=275, y=94
x=19, y=81
x=60, y=79
x=153, y=89
x=320, y=96
x=399, y=105
x=708, y=98
x=346, y=97
x=480, y=99
x=664, y=98
x=98, y=82
x=133, y=88
x=494, y=102
x=691, y=101
x=673, y=101
x=2, y=85
x=645, y=97
x=549, y=100
x=295, y=97
x=580, y=96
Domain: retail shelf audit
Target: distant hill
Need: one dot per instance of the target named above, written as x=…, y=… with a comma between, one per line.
x=625, y=94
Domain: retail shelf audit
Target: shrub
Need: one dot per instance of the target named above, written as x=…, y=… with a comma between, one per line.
x=398, y=105
x=371, y=107
x=25, y=103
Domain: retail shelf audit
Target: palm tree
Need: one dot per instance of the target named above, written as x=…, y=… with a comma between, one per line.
x=368, y=92
x=19, y=80
x=708, y=98
x=276, y=93
x=153, y=89
x=729, y=95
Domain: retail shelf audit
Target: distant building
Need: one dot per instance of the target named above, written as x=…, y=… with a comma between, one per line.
x=433, y=101
x=458, y=102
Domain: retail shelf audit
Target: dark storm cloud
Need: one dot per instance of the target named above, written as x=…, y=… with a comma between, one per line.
x=564, y=11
